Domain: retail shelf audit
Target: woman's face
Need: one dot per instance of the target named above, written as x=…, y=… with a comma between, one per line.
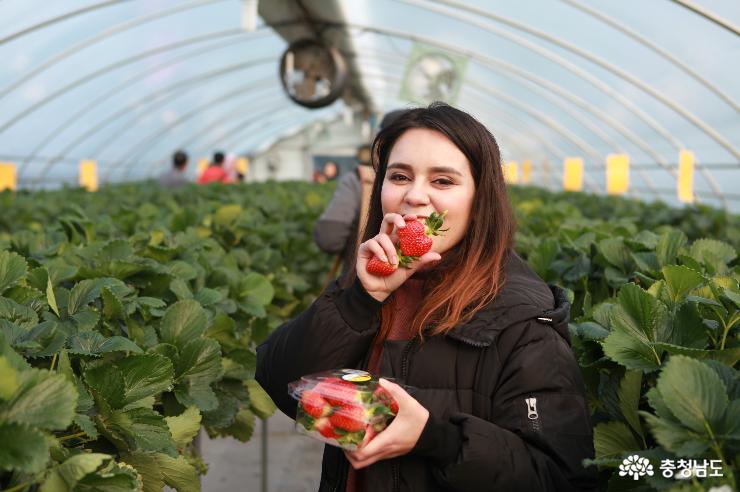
x=428, y=173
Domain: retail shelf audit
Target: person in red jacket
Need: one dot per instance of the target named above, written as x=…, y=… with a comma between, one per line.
x=215, y=172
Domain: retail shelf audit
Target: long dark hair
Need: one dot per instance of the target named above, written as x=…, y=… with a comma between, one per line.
x=471, y=274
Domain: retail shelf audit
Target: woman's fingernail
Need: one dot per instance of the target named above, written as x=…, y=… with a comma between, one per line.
x=394, y=259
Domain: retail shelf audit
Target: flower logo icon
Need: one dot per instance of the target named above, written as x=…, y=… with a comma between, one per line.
x=636, y=467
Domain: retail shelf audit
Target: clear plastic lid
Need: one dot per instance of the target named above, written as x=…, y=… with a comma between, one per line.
x=345, y=407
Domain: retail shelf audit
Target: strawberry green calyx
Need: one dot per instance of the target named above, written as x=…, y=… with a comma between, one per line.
x=403, y=260
x=433, y=224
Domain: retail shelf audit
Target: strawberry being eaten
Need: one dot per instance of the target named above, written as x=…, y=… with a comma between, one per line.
x=415, y=240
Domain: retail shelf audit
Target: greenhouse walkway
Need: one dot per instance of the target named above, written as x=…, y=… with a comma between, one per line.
x=294, y=461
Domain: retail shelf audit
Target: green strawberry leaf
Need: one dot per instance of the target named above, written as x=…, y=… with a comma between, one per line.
x=138, y=429
x=113, y=477
x=256, y=289
x=617, y=254
x=243, y=426
x=638, y=322
x=8, y=379
x=51, y=298
x=86, y=291
x=694, y=392
x=65, y=476
x=88, y=472
x=24, y=448
x=629, y=399
x=118, y=249
x=729, y=356
x=612, y=439
x=184, y=321
x=675, y=437
x=13, y=268
x=713, y=253
x=21, y=315
x=178, y=473
x=198, y=365
x=181, y=289
x=42, y=399
x=86, y=425
x=184, y=427
x=224, y=414
x=147, y=467
x=259, y=401
x=93, y=343
x=669, y=245
x=130, y=379
x=112, y=304
x=208, y=297
x=681, y=280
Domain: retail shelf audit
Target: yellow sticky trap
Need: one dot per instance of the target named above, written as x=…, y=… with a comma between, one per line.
x=8, y=176
x=573, y=174
x=242, y=166
x=617, y=174
x=89, y=175
x=511, y=172
x=202, y=165
x=686, y=176
x=526, y=172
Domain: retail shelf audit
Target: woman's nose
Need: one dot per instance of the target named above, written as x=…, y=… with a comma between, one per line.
x=417, y=195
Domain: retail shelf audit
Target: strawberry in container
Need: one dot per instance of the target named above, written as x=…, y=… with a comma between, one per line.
x=345, y=408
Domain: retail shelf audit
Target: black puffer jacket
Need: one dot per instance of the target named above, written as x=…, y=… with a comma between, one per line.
x=504, y=392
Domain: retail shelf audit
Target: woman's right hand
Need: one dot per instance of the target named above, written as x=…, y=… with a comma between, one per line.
x=383, y=246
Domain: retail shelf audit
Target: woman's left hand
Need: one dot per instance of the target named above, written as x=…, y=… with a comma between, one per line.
x=399, y=437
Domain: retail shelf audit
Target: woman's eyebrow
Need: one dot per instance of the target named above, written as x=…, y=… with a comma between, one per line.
x=434, y=169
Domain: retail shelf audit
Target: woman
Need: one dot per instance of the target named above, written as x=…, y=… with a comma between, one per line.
x=497, y=400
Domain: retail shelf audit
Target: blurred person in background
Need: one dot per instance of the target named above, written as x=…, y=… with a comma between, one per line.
x=343, y=222
x=330, y=170
x=175, y=177
x=215, y=172
x=231, y=166
x=318, y=176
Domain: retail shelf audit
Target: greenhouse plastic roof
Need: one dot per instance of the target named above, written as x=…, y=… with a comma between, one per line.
x=127, y=82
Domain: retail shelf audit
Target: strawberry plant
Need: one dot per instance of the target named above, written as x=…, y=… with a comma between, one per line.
x=129, y=317
x=133, y=314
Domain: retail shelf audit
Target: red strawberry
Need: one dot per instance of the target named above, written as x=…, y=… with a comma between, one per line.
x=416, y=238
x=380, y=268
x=350, y=418
x=382, y=394
x=314, y=405
x=370, y=433
x=325, y=428
x=337, y=391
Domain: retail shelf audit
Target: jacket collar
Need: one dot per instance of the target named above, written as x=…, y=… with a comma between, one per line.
x=524, y=296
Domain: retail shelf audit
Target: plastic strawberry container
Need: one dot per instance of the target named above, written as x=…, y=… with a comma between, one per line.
x=344, y=408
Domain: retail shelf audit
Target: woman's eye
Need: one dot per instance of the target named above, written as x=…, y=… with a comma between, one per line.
x=398, y=177
x=443, y=181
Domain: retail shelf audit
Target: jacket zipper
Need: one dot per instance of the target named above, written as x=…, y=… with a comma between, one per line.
x=532, y=414
x=405, y=355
